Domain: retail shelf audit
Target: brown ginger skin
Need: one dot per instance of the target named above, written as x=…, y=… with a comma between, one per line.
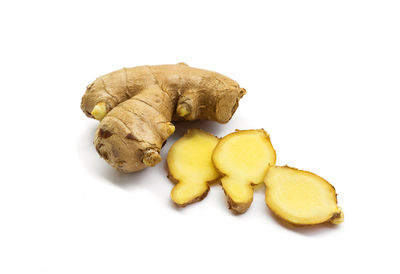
x=237, y=208
x=138, y=104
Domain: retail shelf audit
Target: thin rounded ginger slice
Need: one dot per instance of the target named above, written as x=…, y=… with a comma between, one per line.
x=243, y=157
x=301, y=197
x=190, y=166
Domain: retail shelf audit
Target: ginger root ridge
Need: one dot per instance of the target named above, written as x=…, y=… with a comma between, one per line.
x=135, y=107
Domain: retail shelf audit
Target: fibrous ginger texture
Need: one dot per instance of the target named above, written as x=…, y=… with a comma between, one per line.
x=136, y=106
x=190, y=166
x=243, y=157
x=301, y=197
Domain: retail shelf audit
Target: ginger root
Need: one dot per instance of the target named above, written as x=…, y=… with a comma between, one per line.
x=301, y=197
x=243, y=157
x=190, y=166
x=136, y=107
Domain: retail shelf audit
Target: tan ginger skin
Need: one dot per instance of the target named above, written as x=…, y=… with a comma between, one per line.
x=136, y=106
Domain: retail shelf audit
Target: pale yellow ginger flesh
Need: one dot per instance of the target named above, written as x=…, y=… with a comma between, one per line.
x=182, y=110
x=301, y=197
x=99, y=111
x=244, y=158
x=189, y=164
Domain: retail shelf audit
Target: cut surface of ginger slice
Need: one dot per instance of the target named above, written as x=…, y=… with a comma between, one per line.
x=301, y=197
x=190, y=166
x=243, y=157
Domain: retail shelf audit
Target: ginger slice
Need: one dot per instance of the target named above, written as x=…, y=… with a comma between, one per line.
x=244, y=158
x=301, y=197
x=190, y=166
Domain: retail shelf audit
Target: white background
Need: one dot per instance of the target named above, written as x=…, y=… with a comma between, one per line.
x=322, y=78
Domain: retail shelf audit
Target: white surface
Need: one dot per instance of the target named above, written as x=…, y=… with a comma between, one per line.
x=322, y=78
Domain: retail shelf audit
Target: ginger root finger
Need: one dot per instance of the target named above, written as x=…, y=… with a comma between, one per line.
x=151, y=157
x=301, y=197
x=136, y=107
x=131, y=135
x=243, y=157
x=190, y=166
x=183, y=109
x=99, y=111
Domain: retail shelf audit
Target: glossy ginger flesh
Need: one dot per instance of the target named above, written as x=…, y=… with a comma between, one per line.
x=301, y=197
x=189, y=164
x=244, y=158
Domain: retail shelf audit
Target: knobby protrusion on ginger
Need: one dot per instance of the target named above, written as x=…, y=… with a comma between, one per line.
x=99, y=111
x=183, y=110
x=135, y=106
x=151, y=157
x=170, y=128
